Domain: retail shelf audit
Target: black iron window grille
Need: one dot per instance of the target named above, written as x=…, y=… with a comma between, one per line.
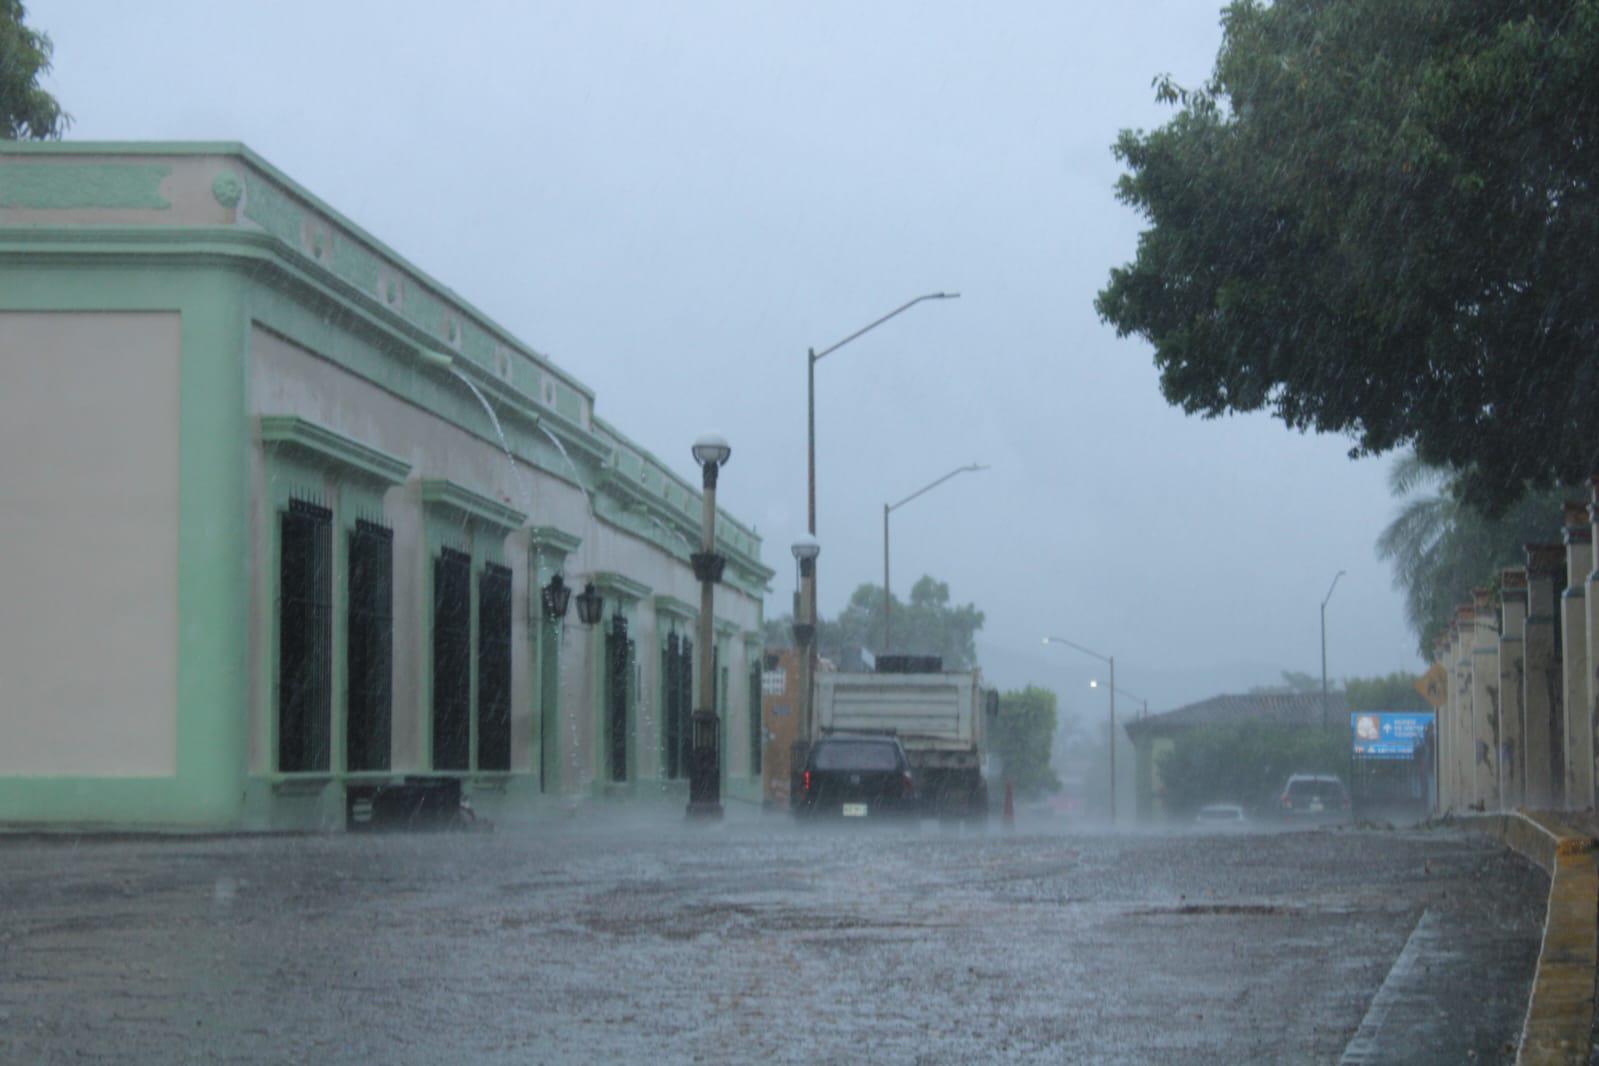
x=452, y=660
x=305, y=637
x=494, y=669
x=619, y=669
x=757, y=728
x=677, y=679
x=370, y=647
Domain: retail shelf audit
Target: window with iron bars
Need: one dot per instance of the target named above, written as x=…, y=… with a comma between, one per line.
x=452, y=660
x=757, y=728
x=494, y=669
x=677, y=680
x=305, y=637
x=369, y=642
x=619, y=668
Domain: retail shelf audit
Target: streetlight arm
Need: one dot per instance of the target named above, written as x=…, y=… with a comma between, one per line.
x=1330, y=588
x=1079, y=647
x=815, y=356
x=969, y=469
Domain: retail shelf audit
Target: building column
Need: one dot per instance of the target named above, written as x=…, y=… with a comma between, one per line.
x=1485, y=695
x=1574, y=659
x=1460, y=638
x=1512, y=709
x=1591, y=631
x=1541, y=686
x=1443, y=733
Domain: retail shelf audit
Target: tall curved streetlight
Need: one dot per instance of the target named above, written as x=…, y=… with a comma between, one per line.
x=889, y=508
x=1111, y=660
x=1324, y=602
x=705, y=779
x=812, y=357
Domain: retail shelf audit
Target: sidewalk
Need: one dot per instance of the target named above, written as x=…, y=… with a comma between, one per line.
x=1560, y=1026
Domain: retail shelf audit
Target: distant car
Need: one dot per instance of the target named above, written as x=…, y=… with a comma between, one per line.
x=856, y=776
x=1220, y=814
x=1314, y=796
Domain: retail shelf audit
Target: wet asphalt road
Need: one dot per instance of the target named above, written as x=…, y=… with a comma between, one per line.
x=598, y=941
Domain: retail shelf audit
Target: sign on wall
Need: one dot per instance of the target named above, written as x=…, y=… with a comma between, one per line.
x=1388, y=734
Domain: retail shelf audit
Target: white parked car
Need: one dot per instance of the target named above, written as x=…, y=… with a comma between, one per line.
x=1220, y=814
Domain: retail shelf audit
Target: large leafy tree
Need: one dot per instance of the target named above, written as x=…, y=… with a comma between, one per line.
x=1441, y=544
x=1386, y=692
x=1023, y=736
x=928, y=624
x=1378, y=218
x=26, y=111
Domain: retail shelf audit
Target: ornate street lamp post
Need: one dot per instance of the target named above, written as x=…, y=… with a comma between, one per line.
x=705, y=777
x=806, y=549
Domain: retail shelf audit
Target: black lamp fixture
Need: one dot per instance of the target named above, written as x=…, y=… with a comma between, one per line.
x=556, y=598
x=590, y=605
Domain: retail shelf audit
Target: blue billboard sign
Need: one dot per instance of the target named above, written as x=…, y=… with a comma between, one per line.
x=1388, y=734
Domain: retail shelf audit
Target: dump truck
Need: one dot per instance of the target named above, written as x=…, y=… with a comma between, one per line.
x=940, y=718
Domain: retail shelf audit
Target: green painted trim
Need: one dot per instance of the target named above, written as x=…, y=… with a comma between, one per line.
x=294, y=191
x=550, y=539
x=442, y=492
x=754, y=638
x=402, y=340
x=64, y=186
x=620, y=586
x=671, y=606
x=334, y=448
x=725, y=630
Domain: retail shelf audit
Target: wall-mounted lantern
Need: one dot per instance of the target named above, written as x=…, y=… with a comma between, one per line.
x=556, y=598
x=590, y=605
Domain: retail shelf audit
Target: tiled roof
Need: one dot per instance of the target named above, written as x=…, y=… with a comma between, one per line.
x=1277, y=708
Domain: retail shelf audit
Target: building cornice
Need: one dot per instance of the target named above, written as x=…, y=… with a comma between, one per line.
x=620, y=586
x=442, y=492
x=325, y=446
x=548, y=539
x=671, y=606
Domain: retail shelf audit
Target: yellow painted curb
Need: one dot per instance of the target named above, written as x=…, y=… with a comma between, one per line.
x=1560, y=1009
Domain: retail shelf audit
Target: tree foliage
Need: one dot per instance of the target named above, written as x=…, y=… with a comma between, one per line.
x=27, y=112
x=1392, y=692
x=1245, y=762
x=1293, y=681
x=927, y=625
x=1023, y=736
x=1440, y=544
x=1377, y=218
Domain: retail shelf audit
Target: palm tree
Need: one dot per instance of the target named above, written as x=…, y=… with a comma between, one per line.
x=1440, y=546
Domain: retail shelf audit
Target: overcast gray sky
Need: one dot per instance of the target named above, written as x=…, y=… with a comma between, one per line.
x=674, y=200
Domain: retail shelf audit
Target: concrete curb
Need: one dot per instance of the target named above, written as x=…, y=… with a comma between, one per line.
x=1560, y=1010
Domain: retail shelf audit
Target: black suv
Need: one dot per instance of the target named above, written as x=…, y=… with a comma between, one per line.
x=856, y=776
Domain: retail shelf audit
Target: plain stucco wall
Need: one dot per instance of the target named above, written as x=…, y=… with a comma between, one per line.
x=89, y=521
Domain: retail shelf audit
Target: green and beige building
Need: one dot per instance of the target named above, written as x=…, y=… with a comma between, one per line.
x=261, y=538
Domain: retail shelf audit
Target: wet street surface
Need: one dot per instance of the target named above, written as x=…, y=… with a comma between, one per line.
x=592, y=940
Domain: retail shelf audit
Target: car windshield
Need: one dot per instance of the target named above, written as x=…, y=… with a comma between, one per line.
x=856, y=755
x=1322, y=790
